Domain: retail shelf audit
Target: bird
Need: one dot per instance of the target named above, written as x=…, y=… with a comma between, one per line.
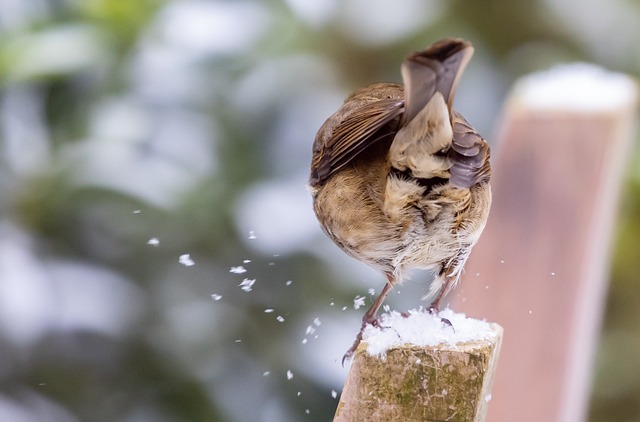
x=400, y=180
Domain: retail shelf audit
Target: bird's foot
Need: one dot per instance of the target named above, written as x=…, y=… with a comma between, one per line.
x=347, y=356
x=434, y=311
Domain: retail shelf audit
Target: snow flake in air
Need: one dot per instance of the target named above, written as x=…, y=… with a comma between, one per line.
x=185, y=259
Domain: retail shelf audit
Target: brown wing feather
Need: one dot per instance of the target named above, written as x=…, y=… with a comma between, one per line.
x=378, y=111
x=360, y=122
x=470, y=155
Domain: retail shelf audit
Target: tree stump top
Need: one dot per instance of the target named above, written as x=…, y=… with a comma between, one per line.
x=418, y=368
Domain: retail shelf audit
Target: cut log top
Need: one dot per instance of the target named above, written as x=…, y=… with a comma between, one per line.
x=418, y=368
x=420, y=328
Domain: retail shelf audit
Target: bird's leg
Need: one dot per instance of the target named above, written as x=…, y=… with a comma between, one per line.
x=370, y=316
x=434, y=308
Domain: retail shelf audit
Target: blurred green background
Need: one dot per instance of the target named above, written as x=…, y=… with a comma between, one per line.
x=159, y=259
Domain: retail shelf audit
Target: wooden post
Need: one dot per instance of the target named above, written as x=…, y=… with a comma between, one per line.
x=447, y=381
x=540, y=268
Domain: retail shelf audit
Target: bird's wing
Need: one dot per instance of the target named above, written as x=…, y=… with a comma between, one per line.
x=469, y=154
x=362, y=124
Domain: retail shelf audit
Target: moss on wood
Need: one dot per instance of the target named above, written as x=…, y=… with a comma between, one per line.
x=441, y=383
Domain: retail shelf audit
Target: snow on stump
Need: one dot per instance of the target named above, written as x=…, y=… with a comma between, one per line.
x=418, y=368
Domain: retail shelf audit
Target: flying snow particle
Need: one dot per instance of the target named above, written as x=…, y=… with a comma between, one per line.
x=280, y=318
x=334, y=393
x=185, y=259
x=289, y=374
x=288, y=283
x=238, y=270
x=247, y=284
x=216, y=297
x=317, y=322
x=358, y=302
x=266, y=373
x=268, y=311
x=252, y=235
x=153, y=241
x=372, y=291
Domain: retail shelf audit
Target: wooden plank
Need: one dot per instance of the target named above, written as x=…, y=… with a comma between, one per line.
x=540, y=268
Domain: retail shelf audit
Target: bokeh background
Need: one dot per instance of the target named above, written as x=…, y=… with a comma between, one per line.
x=159, y=259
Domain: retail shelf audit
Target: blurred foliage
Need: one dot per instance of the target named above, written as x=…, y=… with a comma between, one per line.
x=190, y=122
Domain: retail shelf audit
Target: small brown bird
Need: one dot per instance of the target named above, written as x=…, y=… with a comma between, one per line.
x=400, y=180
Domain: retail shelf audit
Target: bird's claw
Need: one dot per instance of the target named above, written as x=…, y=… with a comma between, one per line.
x=434, y=311
x=349, y=354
